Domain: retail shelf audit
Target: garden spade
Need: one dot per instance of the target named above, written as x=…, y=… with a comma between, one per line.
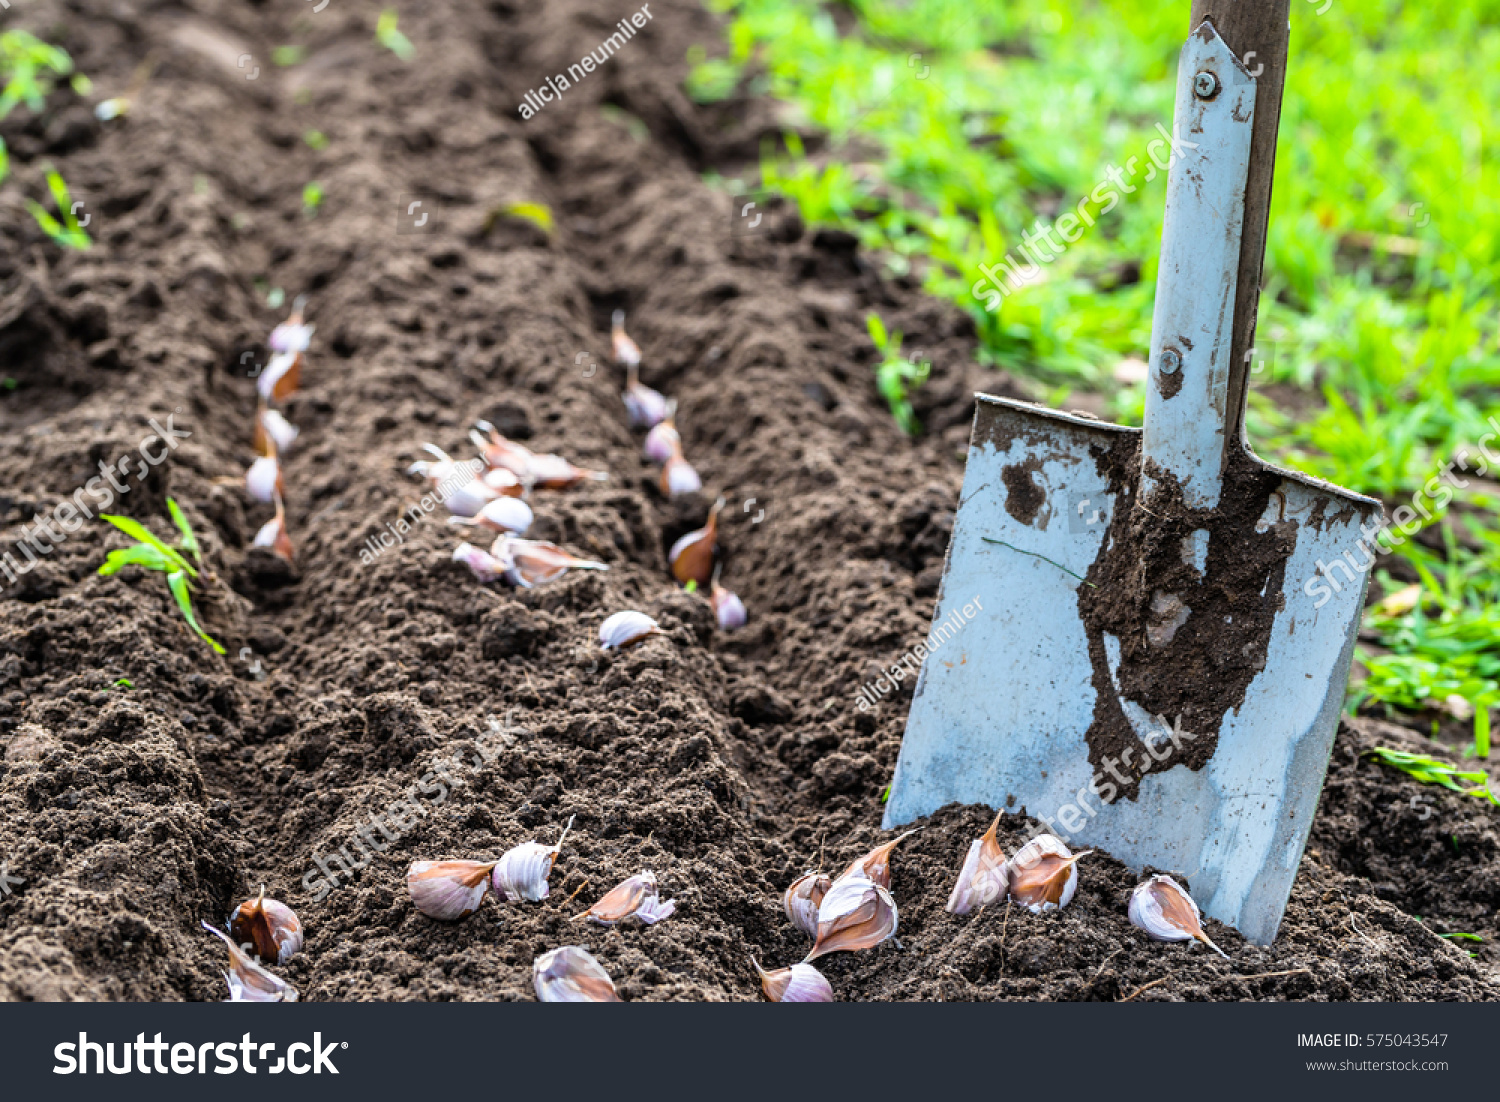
x=1143, y=636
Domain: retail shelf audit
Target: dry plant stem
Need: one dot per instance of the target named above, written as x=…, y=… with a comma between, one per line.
x=1148, y=986
x=1089, y=987
x=575, y=896
x=1272, y=975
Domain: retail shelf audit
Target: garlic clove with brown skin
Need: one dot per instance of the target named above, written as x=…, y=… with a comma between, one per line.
x=270, y=928
x=523, y=871
x=571, y=975
x=1044, y=874
x=281, y=376
x=531, y=563
x=248, y=981
x=678, y=477
x=272, y=534
x=1162, y=907
x=504, y=514
x=857, y=913
x=801, y=983
x=263, y=478
x=692, y=556
x=985, y=876
x=802, y=900
x=633, y=897
x=625, y=629
x=273, y=433
x=292, y=335
x=876, y=865
x=647, y=408
x=448, y=890
x=547, y=472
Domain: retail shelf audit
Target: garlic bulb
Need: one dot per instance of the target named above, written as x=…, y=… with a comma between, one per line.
x=448, y=890
x=272, y=533
x=571, y=975
x=522, y=873
x=801, y=983
x=485, y=566
x=531, y=563
x=692, y=556
x=269, y=927
x=984, y=879
x=857, y=913
x=273, y=432
x=248, y=981
x=626, y=351
x=802, y=899
x=626, y=628
x=263, y=479
x=1044, y=874
x=291, y=335
x=636, y=896
x=504, y=514
x=1166, y=912
x=280, y=378
x=876, y=865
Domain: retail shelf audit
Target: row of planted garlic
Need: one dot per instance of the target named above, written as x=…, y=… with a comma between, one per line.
x=851, y=912
x=495, y=499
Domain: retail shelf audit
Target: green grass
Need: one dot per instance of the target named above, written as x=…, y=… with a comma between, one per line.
x=151, y=553
x=1469, y=782
x=951, y=128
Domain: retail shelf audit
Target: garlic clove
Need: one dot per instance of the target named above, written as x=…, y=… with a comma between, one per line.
x=263, y=479
x=503, y=481
x=626, y=351
x=1044, y=874
x=635, y=896
x=280, y=378
x=273, y=433
x=248, y=981
x=272, y=534
x=663, y=441
x=269, y=927
x=448, y=890
x=857, y=913
x=549, y=472
x=571, y=975
x=692, y=556
x=801, y=983
x=1162, y=907
x=678, y=477
x=729, y=610
x=485, y=566
x=553, y=472
x=522, y=873
x=627, y=628
x=985, y=876
x=291, y=335
x=537, y=562
x=647, y=408
x=802, y=899
x=876, y=865
x=504, y=514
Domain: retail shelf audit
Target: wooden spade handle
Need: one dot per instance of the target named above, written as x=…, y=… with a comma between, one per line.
x=1259, y=28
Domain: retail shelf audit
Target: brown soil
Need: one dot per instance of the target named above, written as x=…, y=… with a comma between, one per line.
x=728, y=764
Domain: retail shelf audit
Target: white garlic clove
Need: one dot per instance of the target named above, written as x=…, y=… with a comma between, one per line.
x=857, y=913
x=663, y=441
x=280, y=377
x=263, y=479
x=1160, y=906
x=678, y=477
x=729, y=610
x=503, y=481
x=537, y=562
x=248, y=981
x=626, y=628
x=504, y=514
x=448, y=890
x=571, y=975
x=802, y=900
x=269, y=927
x=553, y=472
x=272, y=534
x=633, y=897
x=626, y=351
x=876, y=865
x=801, y=983
x=522, y=873
x=273, y=432
x=1044, y=874
x=984, y=878
x=292, y=335
x=485, y=566
x=647, y=407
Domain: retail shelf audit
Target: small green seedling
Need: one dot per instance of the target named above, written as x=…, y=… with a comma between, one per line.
x=316, y=139
x=392, y=39
x=1431, y=771
x=312, y=198
x=151, y=553
x=67, y=233
x=122, y=683
x=538, y=214
x=1464, y=937
x=894, y=372
x=28, y=69
x=283, y=57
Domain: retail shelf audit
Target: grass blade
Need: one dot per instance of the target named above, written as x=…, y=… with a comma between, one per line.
x=137, y=554
x=177, y=582
x=139, y=531
x=189, y=541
